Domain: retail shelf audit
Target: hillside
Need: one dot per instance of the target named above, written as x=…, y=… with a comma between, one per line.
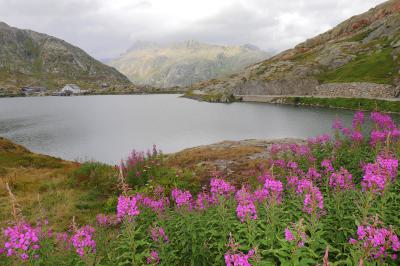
x=358, y=58
x=32, y=58
x=183, y=64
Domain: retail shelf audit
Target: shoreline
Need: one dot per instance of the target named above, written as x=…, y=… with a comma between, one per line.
x=386, y=105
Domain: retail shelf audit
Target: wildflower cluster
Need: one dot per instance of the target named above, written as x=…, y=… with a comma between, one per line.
x=234, y=257
x=158, y=234
x=219, y=187
x=341, y=180
x=239, y=259
x=21, y=240
x=379, y=174
x=296, y=233
x=128, y=206
x=385, y=128
x=272, y=190
x=182, y=198
x=313, y=200
x=153, y=259
x=104, y=220
x=376, y=241
x=83, y=241
x=245, y=205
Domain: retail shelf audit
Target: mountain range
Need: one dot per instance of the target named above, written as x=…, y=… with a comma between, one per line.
x=358, y=58
x=29, y=58
x=183, y=64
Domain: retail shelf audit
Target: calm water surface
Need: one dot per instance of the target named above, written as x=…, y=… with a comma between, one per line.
x=107, y=128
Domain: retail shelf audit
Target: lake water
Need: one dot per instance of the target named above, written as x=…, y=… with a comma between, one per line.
x=107, y=128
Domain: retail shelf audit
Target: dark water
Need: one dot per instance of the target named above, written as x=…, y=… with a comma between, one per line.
x=107, y=128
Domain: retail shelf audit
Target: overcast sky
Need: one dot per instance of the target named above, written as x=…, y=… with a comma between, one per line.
x=106, y=28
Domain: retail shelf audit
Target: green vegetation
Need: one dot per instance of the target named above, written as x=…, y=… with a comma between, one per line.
x=347, y=103
x=360, y=36
x=377, y=67
x=305, y=204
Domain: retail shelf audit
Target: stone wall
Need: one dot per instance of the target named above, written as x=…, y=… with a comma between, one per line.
x=277, y=87
x=311, y=87
x=357, y=90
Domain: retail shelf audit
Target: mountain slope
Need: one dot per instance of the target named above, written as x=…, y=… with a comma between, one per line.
x=358, y=58
x=183, y=64
x=28, y=57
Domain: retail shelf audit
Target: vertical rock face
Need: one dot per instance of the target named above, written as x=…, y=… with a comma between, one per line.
x=183, y=64
x=30, y=57
x=363, y=49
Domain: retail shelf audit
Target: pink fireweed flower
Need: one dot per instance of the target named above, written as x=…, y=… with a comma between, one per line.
x=292, y=165
x=292, y=182
x=313, y=174
x=395, y=133
x=303, y=185
x=239, y=259
x=245, y=208
x=289, y=235
x=128, y=206
x=346, y=131
x=275, y=149
x=379, y=174
x=376, y=241
x=390, y=166
x=341, y=180
x=295, y=233
x=313, y=201
x=383, y=121
x=106, y=220
x=83, y=241
x=153, y=259
x=278, y=163
x=337, y=124
x=357, y=136
x=358, y=120
x=182, y=198
x=203, y=201
x=102, y=220
x=273, y=190
x=327, y=165
x=21, y=238
x=220, y=187
x=319, y=140
x=156, y=205
x=158, y=235
x=377, y=137
x=300, y=150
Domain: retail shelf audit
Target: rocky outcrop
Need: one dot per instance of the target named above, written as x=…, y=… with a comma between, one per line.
x=358, y=58
x=28, y=57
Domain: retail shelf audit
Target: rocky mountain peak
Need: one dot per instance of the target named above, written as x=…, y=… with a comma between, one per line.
x=183, y=63
x=28, y=57
x=356, y=54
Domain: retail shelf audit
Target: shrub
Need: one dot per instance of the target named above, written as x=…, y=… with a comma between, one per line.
x=95, y=176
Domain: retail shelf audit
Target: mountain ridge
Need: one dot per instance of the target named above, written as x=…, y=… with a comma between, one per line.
x=29, y=57
x=362, y=49
x=183, y=63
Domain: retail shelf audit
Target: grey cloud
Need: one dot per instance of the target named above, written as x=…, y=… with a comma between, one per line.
x=106, y=28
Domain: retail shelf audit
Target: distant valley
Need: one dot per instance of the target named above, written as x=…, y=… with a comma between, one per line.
x=183, y=64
